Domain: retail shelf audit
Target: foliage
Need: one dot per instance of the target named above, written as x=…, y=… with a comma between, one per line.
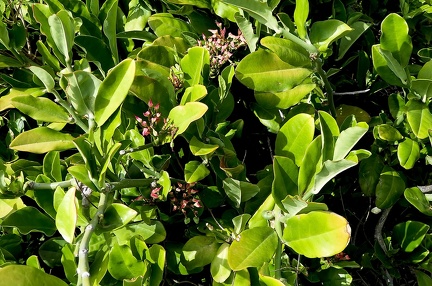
x=226, y=142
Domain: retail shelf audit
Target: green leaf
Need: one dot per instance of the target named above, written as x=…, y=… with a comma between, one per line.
x=44, y=77
x=259, y=10
x=68, y=262
x=317, y=234
x=285, y=179
x=310, y=165
x=419, y=118
x=41, y=140
x=158, y=256
x=247, y=30
x=196, y=66
x=423, y=87
x=116, y=216
x=199, y=251
x=123, y=265
x=165, y=24
x=195, y=171
x=388, y=67
x=30, y=219
x=369, y=174
x=324, y=33
x=8, y=206
x=293, y=205
x=52, y=167
x=239, y=222
x=295, y=136
x=252, y=248
x=408, y=153
x=329, y=132
x=28, y=276
x=81, y=90
x=193, y=93
x=301, y=14
x=389, y=188
x=388, y=133
x=99, y=266
x=395, y=38
x=287, y=50
x=108, y=18
x=219, y=268
x=265, y=71
x=183, y=115
x=66, y=217
x=347, y=111
x=113, y=90
x=8, y=62
x=161, y=55
x=239, y=191
x=423, y=279
x=284, y=99
x=335, y=276
x=199, y=148
x=152, y=233
x=347, y=140
x=62, y=28
x=96, y=51
x=418, y=199
x=409, y=234
x=349, y=39
x=40, y=108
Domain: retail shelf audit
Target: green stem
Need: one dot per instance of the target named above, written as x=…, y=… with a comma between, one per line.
x=278, y=260
x=327, y=86
x=49, y=186
x=66, y=106
x=140, y=148
x=83, y=264
x=278, y=229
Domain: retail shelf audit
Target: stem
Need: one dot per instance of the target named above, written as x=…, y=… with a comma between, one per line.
x=66, y=106
x=83, y=264
x=425, y=189
x=49, y=186
x=327, y=86
x=277, y=260
x=136, y=149
x=130, y=183
x=308, y=47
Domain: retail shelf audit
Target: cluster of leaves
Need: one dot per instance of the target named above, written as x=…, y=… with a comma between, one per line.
x=125, y=130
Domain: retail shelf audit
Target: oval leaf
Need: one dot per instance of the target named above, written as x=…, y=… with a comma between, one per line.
x=252, y=248
x=28, y=276
x=408, y=153
x=195, y=171
x=116, y=216
x=40, y=108
x=389, y=188
x=323, y=33
x=219, y=268
x=113, y=90
x=199, y=251
x=41, y=140
x=30, y=219
x=419, y=118
x=317, y=234
x=66, y=217
x=183, y=115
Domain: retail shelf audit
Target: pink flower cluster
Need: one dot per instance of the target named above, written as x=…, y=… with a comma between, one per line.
x=153, y=124
x=184, y=197
x=221, y=47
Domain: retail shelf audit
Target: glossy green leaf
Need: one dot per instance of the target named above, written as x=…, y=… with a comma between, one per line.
x=113, y=90
x=50, y=252
x=388, y=133
x=270, y=281
x=348, y=139
x=68, y=262
x=252, y=248
x=199, y=148
x=108, y=19
x=317, y=234
x=152, y=233
x=106, y=163
x=195, y=171
x=395, y=38
x=409, y=234
x=419, y=118
x=40, y=108
x=183, y=115
x=81, y=90
x=285, y=179
x=239, y=222
x=335, y=276
x=329, y=132
x=369, y=174
x=388, y=68
x=27, y=275
x=310, y=165
x=62, y=28
x=418, y=199
x=165, y=24
x=193, y=93
x=96, y=51
x=8, y=62
x=51, y=166
x=199, y=251
x=123, y=265
x=423, y=87
x=423, y=279
x=196, y=66
x=324, y=33
x=293, y=205
x=284, y=99
x=99, y=266
x=349, y=39
x=41, y=140
x=389, y=188
x=265, y=71
x=295, y=136
x=116, y=216
x=258, y=10
x=66, y=217
x=162, y=55
x=239, y=191
x=408, y=153
x=248, y=31
x=30, y=219
x=44, y=77
x=257, y=219
x=301, y=14
x=6, y=100
x=80, y=172
x=48, y=58
x=346, y=111
x=8, y=206
x=219, y=268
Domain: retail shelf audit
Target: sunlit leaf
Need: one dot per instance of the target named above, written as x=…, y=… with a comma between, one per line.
x=66, y=217
x=41, y=140
x=27, y=275
x=408, y=153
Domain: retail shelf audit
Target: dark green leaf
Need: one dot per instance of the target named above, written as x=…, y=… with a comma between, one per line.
x=29, y=219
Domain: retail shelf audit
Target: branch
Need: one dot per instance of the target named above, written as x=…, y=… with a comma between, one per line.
x=425, y=189
x=130, y=183
x=329, y=90
x=31, y=185
x=380, y=240
x=352, y=92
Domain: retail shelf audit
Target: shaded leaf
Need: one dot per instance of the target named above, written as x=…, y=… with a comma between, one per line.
x=30, y=219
